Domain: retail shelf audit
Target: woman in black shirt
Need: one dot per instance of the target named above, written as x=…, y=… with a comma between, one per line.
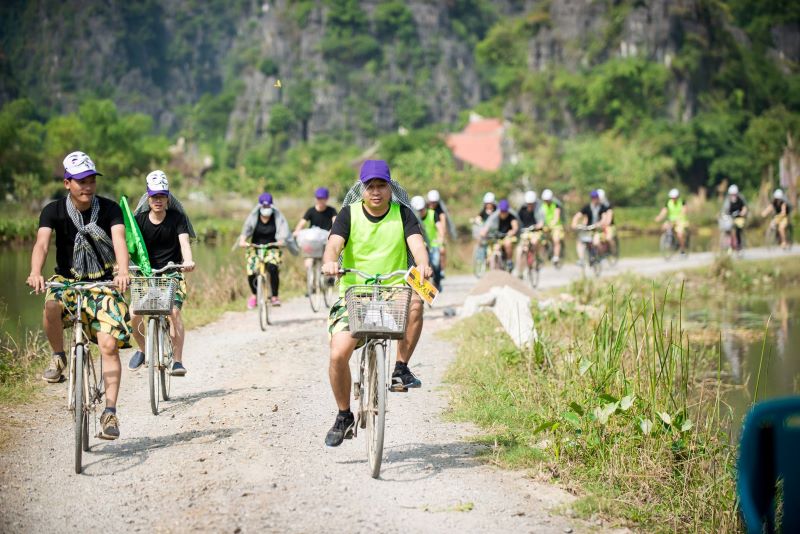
x=320, y=215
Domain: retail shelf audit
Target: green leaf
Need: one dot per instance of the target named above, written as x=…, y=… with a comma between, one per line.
x=646, y=426
x=547, y=425
x=577, y=408
x=608, y=398
x=572, y=417
x=585, y=365
x=626, y=402
x=665, y=417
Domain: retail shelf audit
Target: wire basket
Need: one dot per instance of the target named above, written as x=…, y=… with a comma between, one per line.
x=378, y=312
x=153, y=295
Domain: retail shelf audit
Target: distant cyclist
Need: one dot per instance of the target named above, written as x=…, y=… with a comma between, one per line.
x=489, y=207
x=434, y=234
x=440, y=218
x=675, y=212
x=608, y=224
x=265, y=225
x=592, y=213
x=530, y=226
x=505, y=224
x=781, y=210
x=319, y=215
x=735, y=206
x=90, y=240
x=165, y=232
x=550, y=215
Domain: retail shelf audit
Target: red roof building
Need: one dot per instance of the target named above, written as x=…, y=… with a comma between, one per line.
x=480, y=144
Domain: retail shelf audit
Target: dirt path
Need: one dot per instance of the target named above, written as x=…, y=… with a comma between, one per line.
x=240, y=449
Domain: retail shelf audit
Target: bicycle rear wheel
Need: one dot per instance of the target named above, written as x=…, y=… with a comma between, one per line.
x=262, y=294
x=166, y=351
x=313, y=288
x=81, y=415
x=153, y=357
x=532, y=263
x=375, y=406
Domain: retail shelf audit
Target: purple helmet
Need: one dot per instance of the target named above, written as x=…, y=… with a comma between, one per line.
x=503, y=206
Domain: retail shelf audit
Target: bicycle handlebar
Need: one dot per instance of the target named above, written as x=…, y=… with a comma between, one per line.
x=377, y=278
x=79, y=286
x=168, y=267
x=267, y=246
x=586, y=227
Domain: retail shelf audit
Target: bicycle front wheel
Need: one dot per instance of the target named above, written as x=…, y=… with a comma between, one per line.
x=532, y=263
x=81, y=415
x=153, y=358
x=263, y=302
x=312, y=286
x=165, y=367
x=375, y=406
x=666, y=245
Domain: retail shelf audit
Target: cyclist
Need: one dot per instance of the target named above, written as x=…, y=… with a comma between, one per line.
x=527, y=218
x=550, y=215
x=264, y=226
x=165, y=232
x=320, y=215
x=505, y=223
x=434, y=234
x=780, y=221
x=375, y=235
x=442, y=219
x=736, y=207
x=607, y=224
x=592, y=213
x=90, y=239
x=675, y=212
x=489, y=206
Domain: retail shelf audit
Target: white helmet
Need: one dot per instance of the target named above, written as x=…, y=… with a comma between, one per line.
x=674, y=193
x=733, y=189
x=433, y=195
x=778, y=194
x=547, y=195
x=488, y=198
x=418, y=203
x=601, y=193
x=530, y=197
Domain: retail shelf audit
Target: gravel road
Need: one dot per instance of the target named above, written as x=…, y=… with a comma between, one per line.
x=240, y=446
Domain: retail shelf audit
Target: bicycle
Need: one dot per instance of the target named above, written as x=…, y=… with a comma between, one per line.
x=728, y=243
x=772, y=238
x=153, y=297
x=596, y=253
x=85, y=391
x=496, y=258
x=263, y=285
x=378, y=314
x=547, y=245
x=530, y=257
x=669, y=244
x=319, y=288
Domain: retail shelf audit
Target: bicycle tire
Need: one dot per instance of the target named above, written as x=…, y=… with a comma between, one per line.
x=329, y=291
x=666, y=245
x=376, y=407
x=532, y=268
x=94, y=396
x=478, y=262
x=312, y=286
x=613, y=256
x=597, y=265
x=152, y=357
x=166, y=351
x=80, y=412
x=263, y=303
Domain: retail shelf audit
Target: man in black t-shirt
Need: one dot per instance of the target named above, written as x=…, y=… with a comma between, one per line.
x=735, y=207
x=320, y=215
x=166, y=235
x=90, y=239
x=592, y=214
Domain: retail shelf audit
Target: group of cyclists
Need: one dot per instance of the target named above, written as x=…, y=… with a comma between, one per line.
x=377, y=230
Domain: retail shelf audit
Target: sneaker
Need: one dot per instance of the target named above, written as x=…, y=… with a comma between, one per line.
x=178, y=369
x=110, y=426
x=251, y=303
x=275, y=301
x=341, y=430
x=137, y=360
x=403, y=378
x=53, y=373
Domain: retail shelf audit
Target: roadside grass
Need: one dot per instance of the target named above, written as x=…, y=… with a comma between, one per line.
x=21, y=361
x=613, y=403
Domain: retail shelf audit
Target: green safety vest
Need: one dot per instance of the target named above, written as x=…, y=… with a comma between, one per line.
x=375, y=248
x=675, y=210
x=550, y=214
x=429, y=222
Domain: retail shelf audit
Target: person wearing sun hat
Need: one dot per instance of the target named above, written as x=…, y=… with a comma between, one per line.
x=90, y=241
x=320, y=215
x=265, y=225
x=165, y=232
x=378, y=234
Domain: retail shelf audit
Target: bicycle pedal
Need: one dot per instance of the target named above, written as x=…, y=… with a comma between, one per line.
x=398, y=388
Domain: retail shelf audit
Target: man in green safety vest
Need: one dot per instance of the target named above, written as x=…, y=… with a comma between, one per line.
x=675, y=212
x=550, y=213
x=375, y=235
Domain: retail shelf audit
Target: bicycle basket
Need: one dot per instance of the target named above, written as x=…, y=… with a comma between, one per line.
x=152, y=295
x=378, y=311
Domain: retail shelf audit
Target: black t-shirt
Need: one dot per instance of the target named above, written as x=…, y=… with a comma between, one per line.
x=55, y=216
x=736, y=206
x=591, y=217
x=341, y=226
x=527, y=216
x=161, y=239
x=264, y=232
x=777, y=205
x=504, y=225
x=321, y=219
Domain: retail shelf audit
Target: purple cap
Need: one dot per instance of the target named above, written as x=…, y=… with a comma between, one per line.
x=594, y=194
x=78, y=166
x=265, y=198
x=321, y=192
x=503, y=206
x=375, y=168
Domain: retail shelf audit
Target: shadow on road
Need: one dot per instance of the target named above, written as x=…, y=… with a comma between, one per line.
x=177, y=402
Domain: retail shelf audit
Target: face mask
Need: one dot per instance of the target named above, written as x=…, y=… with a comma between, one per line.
x=266, y=212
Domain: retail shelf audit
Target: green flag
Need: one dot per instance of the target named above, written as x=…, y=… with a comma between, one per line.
x=134, y=239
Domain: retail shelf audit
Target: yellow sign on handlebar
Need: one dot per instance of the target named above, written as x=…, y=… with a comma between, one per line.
x=423, y=288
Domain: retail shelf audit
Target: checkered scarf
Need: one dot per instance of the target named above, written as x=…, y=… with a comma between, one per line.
x=90, y=242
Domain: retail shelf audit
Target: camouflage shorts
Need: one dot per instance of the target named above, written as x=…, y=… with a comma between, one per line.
x=104, y=310
x=180, y=291
x=271, y=255
x=339, y=320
